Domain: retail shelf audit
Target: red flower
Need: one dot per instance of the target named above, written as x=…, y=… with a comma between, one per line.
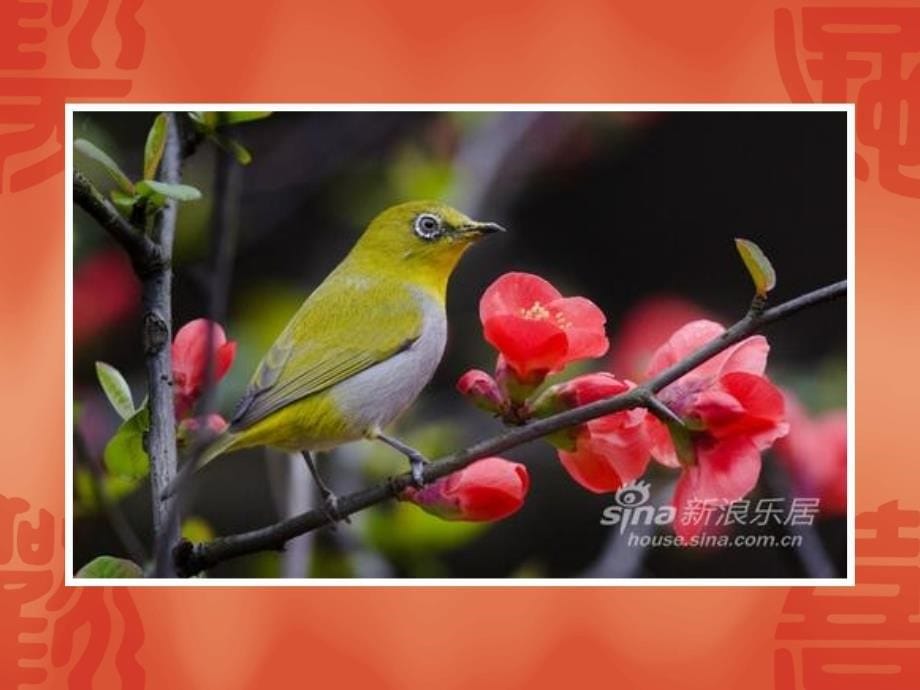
x=482, y=389
x=732, y=412
x=488, y=489
x=606, y=452
x=190, y=361
x=537, y=330
x=644, y=327
x=105, y=291
x=815, y=453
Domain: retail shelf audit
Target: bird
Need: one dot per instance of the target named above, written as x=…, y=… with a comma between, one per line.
x=361, y=347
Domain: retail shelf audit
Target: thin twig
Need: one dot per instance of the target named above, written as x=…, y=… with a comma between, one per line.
x=191, y=559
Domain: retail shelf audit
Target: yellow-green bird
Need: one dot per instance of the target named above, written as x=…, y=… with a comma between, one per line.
x=363, y=345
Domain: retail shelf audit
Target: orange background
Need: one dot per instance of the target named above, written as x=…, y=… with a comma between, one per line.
x=359, y=50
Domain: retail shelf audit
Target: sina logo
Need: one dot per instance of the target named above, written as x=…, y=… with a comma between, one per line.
x=630, y=508
x=632, y=495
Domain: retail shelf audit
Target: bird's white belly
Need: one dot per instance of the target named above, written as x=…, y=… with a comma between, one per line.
x=378, y=395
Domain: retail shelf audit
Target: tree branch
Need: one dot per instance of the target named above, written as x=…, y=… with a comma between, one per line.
x=157, y=336
x=191, y=559
x=145, y=254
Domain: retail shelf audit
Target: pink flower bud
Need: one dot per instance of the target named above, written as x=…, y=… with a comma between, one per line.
x=481, y=389
x=190, y=361
x=577, y=392
x=488, y=489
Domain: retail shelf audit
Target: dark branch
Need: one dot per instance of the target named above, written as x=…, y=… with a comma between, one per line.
x=191, y=559
x=157, y=334
x=145, y=254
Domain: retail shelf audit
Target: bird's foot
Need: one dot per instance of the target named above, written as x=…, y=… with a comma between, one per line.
x=331, y=509
x=417, y=463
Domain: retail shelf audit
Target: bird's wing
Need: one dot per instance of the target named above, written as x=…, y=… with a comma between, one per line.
x=341, y=330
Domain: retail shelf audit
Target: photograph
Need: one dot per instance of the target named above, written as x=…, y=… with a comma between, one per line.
x=492, y=344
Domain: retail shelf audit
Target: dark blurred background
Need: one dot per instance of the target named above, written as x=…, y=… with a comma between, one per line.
x=617, y=207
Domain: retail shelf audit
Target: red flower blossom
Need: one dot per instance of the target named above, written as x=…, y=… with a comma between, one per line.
x=644, y=327
x=815, y=453
x=537, y=330
x=488, y=489
x=732, y=413
x=190, y=361
x=482, y=389
x=105, y=291
x=606, y=452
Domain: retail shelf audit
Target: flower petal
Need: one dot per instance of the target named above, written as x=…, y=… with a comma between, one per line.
x=526, y=345
x=644, y=327
x=584, y=327
x=591, y=469
x=726, y=470
x=592, y=387
x=661, y=445
x=685, y=341
x=223, y=359
x=627, y=450
x=762, y=420
x=513, y=292
x=750, y=356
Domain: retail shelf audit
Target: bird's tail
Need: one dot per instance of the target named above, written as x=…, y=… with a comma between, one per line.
x=217, y=447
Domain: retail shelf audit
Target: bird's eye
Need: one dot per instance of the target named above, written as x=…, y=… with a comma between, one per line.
x=427, y=226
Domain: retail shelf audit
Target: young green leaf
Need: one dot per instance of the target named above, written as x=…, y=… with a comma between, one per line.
x=205, y=121
x=96, y=154
x=116, y=389
x=153, y=150
x=110, y=567
x=124, y=454
x=239, y=116
x=758, y=265
x=179, y=192
x=233, y=147
x=123, y=202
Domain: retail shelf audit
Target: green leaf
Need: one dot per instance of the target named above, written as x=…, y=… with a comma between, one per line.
x=96, y=154
x=179, y=192
x=116, y=389
x=124, y=202
x=758, y=265
x=153, y=150
x=237, y=117
x=84, y=492
x=206, y=121
x=124, y=454
x=233, y=147
x=110, y=567
x=85, y=485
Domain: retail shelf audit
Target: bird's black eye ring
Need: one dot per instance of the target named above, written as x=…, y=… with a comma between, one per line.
x=427, y=226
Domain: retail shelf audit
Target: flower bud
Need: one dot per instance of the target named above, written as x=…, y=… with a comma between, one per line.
x=481, y=389
x=190, y=361
x=487, y=490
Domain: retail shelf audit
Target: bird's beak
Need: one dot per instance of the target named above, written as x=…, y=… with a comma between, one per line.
x=481, y=228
